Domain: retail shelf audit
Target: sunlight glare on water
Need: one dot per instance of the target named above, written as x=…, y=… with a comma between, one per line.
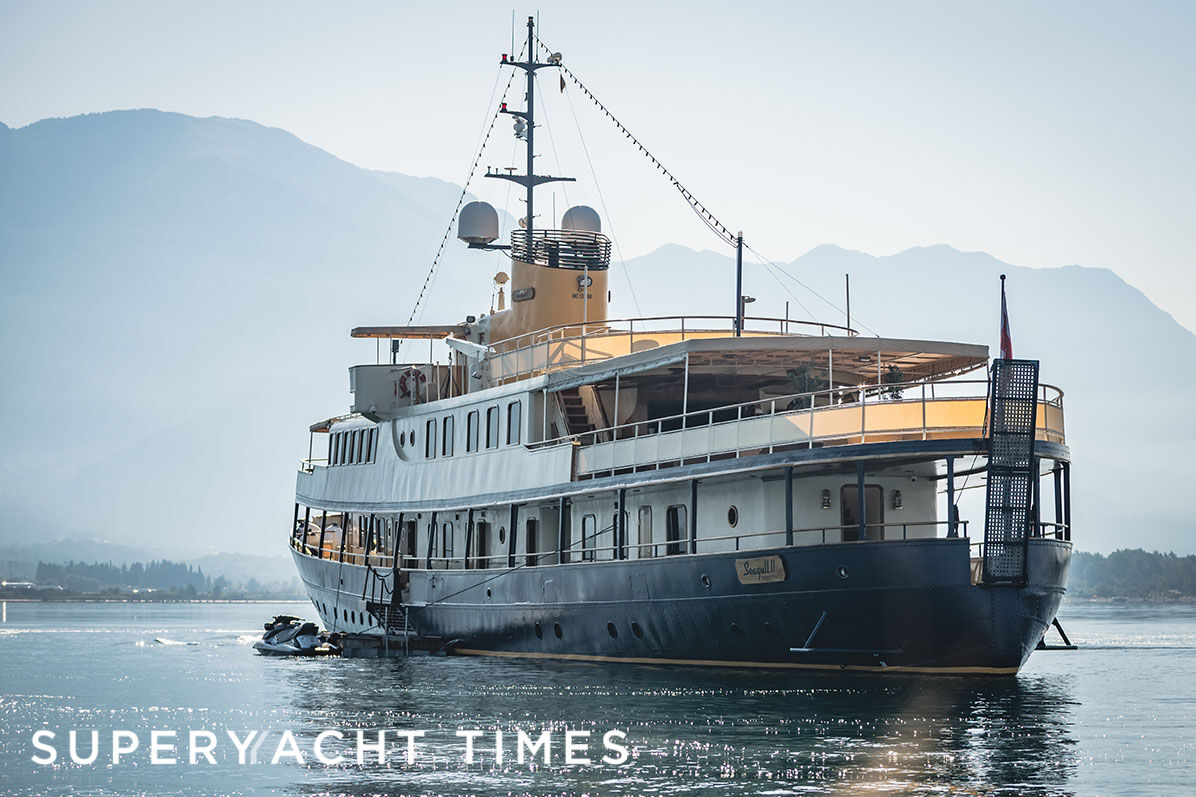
x=1113, y=718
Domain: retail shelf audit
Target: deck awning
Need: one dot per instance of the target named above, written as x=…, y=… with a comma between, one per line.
x=408, y=333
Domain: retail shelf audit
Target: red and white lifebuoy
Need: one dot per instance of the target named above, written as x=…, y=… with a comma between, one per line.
x=413, y=379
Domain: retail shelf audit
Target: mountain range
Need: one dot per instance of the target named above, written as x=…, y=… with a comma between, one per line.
x=178, y=294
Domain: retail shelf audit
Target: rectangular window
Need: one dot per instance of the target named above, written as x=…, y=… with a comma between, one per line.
x=514, y=416
x=430, y=439
x=446, y=541
x=369, y=445
x=645, y=533
x=589, y=534
x=446, y=438
x=471, y=431
x=533, y=529
x=874, y=511
x=482, y=546
x=357, y=446
x=334, y=448
x=410, y=551
x=492, y=427
x=675, y=530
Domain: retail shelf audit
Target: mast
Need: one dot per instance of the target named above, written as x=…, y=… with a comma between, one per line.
x=530, y=179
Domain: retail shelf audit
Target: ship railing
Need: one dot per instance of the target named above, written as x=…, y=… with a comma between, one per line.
x=586, y=551
x=840, y=416
x=570, y=345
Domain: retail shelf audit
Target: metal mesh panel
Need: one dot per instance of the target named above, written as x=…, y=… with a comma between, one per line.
x=1013, y=410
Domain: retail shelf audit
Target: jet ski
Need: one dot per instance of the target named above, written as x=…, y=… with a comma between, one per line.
x=291, y=636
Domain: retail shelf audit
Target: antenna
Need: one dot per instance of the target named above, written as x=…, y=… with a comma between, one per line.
x=528, y=116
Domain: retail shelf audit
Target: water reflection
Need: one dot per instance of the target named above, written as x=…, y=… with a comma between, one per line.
x=694, y=731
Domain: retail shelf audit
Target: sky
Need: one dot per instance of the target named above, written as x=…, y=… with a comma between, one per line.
x=1044, y=133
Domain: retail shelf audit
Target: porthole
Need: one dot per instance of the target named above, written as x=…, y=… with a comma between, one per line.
x=841, y=572
x=736, y=630
x=732, y=516
x=402, y=439
x=539, y=631
x=488, y=593
x=502, y=534
x=610, y=629
x=556, y=629
x=635, y=629
x=411, y=434
x=706, y=581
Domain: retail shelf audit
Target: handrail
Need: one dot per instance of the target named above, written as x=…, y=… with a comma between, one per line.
x=608, y=327
x=1054, y=399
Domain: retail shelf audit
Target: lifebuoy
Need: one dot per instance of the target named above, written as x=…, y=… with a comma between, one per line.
x=411, y=374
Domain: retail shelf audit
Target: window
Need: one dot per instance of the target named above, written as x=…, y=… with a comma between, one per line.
x=446, y=437
x=675, y=527
x=411, y=550
x=533, y=529
x=430, y=439
x=446, y=541
x=482, y=547
x=645, y=533
x=334, y=450
x=357, y=443
x=874, y=511
x=371, y=444
x=492, y=427
x=589, y=532
x=471, y=431
x=514, y=416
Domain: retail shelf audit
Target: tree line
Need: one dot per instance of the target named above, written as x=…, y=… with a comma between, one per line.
x=1132, y=573
x=102, y=576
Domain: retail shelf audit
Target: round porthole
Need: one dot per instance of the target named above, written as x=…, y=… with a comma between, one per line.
x=610, y=629
x=736, y=630
x=411, y=434
x=706, y=581
x=841, y=572
x=732, y=516
x=402, y=439
x=502, y=534
x=488, y=593
x=539, y=631
x=556, y=629
x=635, y=629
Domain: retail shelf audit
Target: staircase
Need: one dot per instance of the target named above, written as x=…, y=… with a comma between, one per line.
x=1012, y=469
x=582, y=410
x=391, y=616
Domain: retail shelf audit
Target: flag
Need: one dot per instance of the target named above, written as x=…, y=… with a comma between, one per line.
x=1006, y=338
x=562, y=84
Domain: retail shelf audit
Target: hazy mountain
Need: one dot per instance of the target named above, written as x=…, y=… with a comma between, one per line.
x=178, y=294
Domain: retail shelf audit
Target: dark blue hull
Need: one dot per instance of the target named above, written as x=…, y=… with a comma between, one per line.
x=899, y=605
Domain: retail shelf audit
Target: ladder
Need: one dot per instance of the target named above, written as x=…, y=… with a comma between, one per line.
x=1008, y=510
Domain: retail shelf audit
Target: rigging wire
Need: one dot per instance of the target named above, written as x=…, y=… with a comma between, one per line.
x=485, y=138
x=708, y=218
x=602, y=199
x=807, y=287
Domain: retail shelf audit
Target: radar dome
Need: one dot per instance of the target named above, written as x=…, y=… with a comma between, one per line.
x=478, y=223
x=581, y=218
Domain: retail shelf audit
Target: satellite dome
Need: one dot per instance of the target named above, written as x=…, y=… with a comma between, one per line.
x=581, y=218
x=478, y=223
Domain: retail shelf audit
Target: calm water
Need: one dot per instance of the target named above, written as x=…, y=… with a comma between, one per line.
x=1117, y=717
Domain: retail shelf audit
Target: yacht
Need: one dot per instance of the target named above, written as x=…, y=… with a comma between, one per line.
x=702, y=490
